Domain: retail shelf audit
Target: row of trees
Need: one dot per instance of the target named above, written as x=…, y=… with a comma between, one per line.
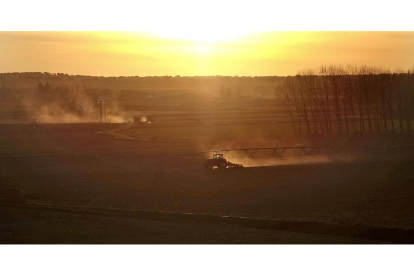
x=336, y=99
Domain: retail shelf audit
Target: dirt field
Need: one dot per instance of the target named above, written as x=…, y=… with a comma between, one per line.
x=360, y=198
x=45, y=225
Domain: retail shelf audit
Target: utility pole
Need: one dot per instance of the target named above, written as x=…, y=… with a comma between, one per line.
x=105, y=111
x=101, y=103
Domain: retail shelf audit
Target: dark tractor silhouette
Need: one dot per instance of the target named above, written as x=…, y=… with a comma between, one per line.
x=220, y=162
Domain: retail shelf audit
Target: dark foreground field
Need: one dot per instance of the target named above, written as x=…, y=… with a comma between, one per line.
x=87, y=183
x=40, y=225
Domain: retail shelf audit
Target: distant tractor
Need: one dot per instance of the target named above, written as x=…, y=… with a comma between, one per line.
x=144, y=119
x=220, y=162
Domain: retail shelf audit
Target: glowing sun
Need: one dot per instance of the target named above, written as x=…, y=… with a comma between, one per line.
x=202, y=36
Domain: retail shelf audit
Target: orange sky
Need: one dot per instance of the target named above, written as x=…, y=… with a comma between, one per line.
x=199, y=53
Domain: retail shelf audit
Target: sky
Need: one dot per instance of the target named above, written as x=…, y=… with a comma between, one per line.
x=200, y=53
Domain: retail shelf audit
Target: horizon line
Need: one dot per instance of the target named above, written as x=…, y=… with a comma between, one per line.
x=147, y=76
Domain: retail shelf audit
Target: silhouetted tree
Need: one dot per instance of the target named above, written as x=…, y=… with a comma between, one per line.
x=336, y=98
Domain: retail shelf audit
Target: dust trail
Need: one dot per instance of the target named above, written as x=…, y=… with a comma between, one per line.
x=293, y=156
x=292, y=160
x=63, y=105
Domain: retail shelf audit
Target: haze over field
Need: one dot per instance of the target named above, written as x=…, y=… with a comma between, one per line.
x=218, y=137
x=201, y=53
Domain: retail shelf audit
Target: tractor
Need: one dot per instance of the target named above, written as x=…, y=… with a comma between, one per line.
x=220, y=162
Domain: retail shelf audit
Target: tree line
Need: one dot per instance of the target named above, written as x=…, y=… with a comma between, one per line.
x=336, y=99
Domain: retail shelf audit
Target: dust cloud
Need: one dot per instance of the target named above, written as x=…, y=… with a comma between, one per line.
x=293, y=160
x=73, y=106
x=292, y=156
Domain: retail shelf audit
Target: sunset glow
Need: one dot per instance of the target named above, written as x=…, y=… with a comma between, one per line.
x=200, y=53
x=202, y=37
